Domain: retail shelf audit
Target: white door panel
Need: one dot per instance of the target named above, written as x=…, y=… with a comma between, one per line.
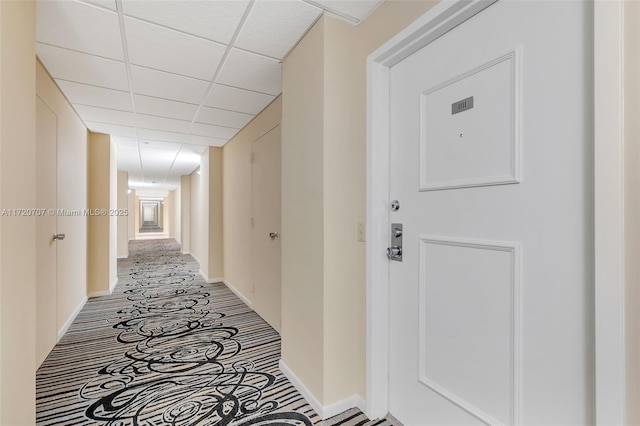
x=489, y=310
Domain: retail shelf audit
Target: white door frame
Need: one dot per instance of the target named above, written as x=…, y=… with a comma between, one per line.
x=609, y=339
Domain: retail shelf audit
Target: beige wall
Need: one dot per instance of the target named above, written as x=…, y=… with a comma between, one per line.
x=17, y=234
x=71, y=195
x=166, y=215
x=177, y=214
x=632, y=209
x=102, y=232
x=236, y=202
x=131, y=217
x=123, y=221
x=214, y=250
x=302, y=211
x=185, y=213
x=199, y=229
x=205, y=226
x=324, y=116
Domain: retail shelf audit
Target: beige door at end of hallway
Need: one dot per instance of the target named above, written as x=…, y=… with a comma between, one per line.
x=46, y=257
x=266, y=271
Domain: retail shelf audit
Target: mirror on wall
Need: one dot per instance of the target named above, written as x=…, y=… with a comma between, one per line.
x=151, y=215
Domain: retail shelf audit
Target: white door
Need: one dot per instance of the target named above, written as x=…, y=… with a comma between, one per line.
x=266, y=272
x=46, y=256
x=491, y=162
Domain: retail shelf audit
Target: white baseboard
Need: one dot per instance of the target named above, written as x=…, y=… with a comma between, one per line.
x=209, y=280
x=324, y=411
x=104, y=292
x=71, y=318
x=238, y=293
x=186, y=252
x=123, y=256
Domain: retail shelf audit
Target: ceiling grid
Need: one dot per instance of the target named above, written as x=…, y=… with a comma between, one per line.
x=169, y=78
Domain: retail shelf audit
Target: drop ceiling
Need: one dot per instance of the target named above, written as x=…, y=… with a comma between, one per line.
x=168, y=78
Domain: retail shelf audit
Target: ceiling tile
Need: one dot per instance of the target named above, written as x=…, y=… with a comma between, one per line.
x=158, y=135
x=78, y=93
x=212, y=131
x=168, y=50
x=214, y=20
x=223, y=117
x=164, y=108
x=160, y=84
x=124, y=131
x=253, y=72
x=79, y=26
x=82, y=68
x=234, y=99
x=205, y=141
x=109, y=4
x=274, y=27
x=172, y=147
x=125, y=142
x=356, y=9
x=161, y=123
x=104, y=115
x=192, y=150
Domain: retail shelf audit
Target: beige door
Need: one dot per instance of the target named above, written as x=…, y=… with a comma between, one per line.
x=266, y=230
x=46, y=282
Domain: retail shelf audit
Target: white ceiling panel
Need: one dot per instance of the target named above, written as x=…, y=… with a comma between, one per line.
x=274, y=27
x=190, y=150
x=104, y=115
x=87, y=28
x=252, y=72
x=205, y=141
x=356, y=9
x=150, y=145
x=214, y=20
x=109, y=4
x=82, y=68
x=234, y=99
x=160, y=84
x=162, y=123
x=83, y=94
x=158, y=135
x=115, y=130
x=125, y=142
x=168, y=50
x=222, y=117
x=212, y=131
x=164, y=108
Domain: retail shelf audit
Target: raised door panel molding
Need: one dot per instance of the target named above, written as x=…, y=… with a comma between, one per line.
x=470, y=128
x=469, y=325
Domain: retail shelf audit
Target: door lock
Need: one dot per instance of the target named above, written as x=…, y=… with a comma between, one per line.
x=58, y=236
x=395, y=251
x=274, y=235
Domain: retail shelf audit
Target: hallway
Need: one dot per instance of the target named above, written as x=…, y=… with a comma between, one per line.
x=168, y=348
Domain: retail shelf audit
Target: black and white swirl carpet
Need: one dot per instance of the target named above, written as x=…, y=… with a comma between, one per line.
x=166, y=348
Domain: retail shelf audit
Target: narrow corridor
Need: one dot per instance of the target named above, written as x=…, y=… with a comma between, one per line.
x=168, y=348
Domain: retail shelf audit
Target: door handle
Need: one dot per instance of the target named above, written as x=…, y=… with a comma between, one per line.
x=58, y=236
x=274, y=235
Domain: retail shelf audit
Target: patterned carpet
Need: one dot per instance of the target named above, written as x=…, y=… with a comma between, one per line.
x=166, y=348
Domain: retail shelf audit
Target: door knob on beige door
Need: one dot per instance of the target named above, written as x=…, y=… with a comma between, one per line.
x=58, y=236
x=274, y=235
